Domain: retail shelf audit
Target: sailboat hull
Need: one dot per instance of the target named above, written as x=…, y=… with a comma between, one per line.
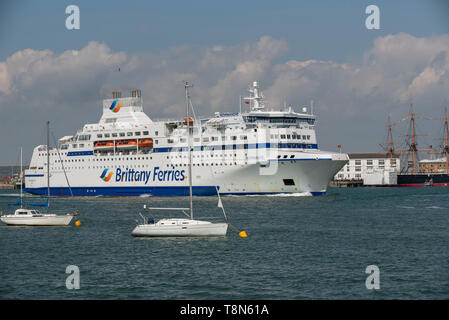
x=181, y=228
x=41, y=220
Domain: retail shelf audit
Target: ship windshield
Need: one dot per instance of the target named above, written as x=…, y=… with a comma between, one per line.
x=278, y=120
x=84, y=137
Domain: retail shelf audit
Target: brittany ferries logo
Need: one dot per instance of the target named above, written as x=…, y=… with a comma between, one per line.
x=115, y=106
x=105, y=176
x=144, y=176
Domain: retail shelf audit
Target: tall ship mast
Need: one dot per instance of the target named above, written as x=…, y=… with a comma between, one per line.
x=388, y=146
x=257, y=151
x=445, y=147
x=415, y=177
x=412, y=144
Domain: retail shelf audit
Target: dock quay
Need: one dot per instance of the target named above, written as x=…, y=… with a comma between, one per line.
x=9, y=186
x=346, y=183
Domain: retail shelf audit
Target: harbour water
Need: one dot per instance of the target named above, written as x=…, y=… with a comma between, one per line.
x=298, y=247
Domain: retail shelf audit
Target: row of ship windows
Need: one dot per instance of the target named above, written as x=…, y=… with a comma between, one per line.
x=206, y=139
x=287, y=136
x=207, y=148
x=234, y=138
x=122, y=134
x=183, y=140
x=168, y=165
x=141, y=158
x=100, y=159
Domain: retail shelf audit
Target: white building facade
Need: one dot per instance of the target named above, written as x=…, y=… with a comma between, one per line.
x=371, y=168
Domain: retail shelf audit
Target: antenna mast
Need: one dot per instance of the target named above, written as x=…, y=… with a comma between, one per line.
x=256, y=97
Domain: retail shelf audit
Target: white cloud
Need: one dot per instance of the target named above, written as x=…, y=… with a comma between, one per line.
x=38, y=84
x=43, y=78
x=4, y=79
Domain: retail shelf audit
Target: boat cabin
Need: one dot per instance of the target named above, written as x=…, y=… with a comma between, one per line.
x=26, y=212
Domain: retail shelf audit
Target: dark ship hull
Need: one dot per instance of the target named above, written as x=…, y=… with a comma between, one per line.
x=423, y=179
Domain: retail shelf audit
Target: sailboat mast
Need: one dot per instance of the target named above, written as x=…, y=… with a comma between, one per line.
x=186, y=86
x=446, y=145
x=21, y=180
x=390, y=140
x=48, y=160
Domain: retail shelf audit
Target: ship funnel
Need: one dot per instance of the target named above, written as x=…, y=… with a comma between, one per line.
x=136, y=93
x=116, y=94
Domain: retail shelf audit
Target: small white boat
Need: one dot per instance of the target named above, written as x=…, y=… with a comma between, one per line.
x=180, y=227
x=31, y=217
x=175, y=227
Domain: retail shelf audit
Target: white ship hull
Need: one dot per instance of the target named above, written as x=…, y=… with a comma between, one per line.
x=308, y=175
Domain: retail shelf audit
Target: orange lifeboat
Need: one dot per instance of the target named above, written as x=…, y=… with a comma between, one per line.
x=126, y=143
x=145, y=143
x=103, y=144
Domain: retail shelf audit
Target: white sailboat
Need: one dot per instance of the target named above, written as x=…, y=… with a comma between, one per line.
x=182, y=227
x=32, y=217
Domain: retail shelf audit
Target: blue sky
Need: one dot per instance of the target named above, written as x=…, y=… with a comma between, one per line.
x=299, y=50
x=328, y=30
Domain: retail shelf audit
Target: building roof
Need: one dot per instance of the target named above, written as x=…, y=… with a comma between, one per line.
x=371, y=155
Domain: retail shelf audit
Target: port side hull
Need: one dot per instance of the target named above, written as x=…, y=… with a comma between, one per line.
x=143, y=191
x=199, y=230
x=272, y=177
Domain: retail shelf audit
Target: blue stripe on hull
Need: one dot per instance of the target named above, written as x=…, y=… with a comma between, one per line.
x=137, y=191
x=125, y=191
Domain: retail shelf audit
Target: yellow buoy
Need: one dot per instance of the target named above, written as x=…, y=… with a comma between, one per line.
x=78, y=223
x=243, y=234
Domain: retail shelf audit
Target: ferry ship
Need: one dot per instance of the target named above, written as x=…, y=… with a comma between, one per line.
x=258, y=152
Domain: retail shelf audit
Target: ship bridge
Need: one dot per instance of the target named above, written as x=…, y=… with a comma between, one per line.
x=258, y=113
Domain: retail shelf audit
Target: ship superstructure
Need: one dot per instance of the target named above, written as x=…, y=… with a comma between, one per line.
x=127, y=154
